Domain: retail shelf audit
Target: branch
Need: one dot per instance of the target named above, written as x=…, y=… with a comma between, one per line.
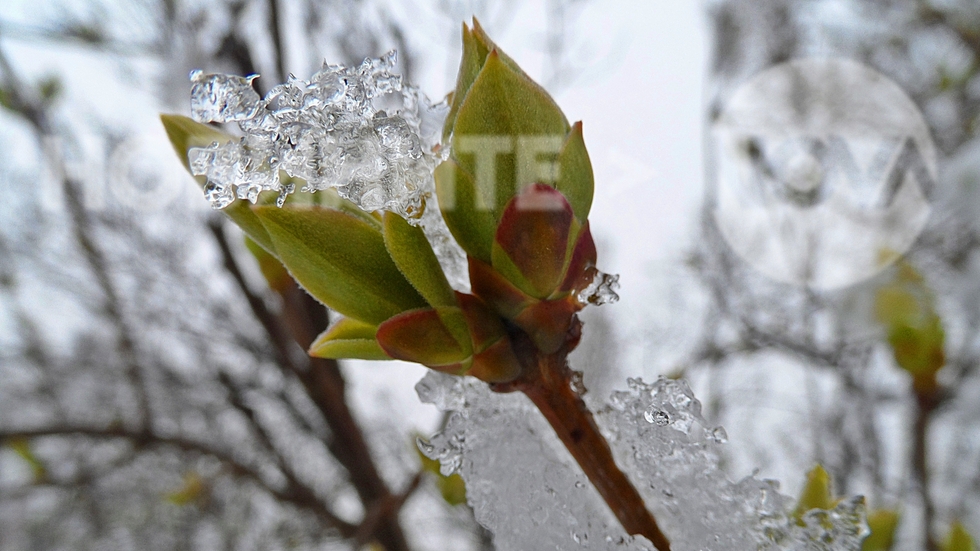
x=35, y=112
x=324, y=384
x=143, y=439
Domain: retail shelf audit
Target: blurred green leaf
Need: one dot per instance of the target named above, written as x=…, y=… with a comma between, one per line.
x=49, y=88
x=905, y=308
x=22, y=447
x=193, y=490
x=816, y=493
x=958, y=539
x=882, y=523
x=452, y=487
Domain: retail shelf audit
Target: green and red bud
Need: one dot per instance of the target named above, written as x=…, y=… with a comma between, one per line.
x=542, y=259
x=464, y=340
x=505, y=133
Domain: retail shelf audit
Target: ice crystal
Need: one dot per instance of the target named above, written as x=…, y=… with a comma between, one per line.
x=525, y=488
x=359, y=130
x=602, y=290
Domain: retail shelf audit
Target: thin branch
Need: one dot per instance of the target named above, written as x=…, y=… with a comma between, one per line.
x=143, y=439
x=35, y=112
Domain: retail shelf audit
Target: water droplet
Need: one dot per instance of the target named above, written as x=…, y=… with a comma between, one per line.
x=426, y=447
x=577, y=383
x=657, y=417
x=223, y=98
x=601, y=291
x=719, y=435
x=579, y=484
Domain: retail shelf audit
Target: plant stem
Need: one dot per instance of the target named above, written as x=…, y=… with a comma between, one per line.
x=926, y=403
x=547, y=382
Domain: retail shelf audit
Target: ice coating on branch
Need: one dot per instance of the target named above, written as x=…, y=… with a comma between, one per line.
x=525, y=487
x=358, y=129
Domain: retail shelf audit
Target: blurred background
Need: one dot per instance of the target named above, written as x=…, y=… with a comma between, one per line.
x=153, y=389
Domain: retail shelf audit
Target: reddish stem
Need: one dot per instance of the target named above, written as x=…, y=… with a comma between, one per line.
x=547, y=382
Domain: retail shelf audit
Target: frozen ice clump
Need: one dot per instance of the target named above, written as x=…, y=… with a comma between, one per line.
x=602, y=290
x=526, y=488
x=358, y=129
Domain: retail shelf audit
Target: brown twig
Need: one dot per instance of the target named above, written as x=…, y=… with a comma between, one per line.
x=291, y=494
x=546, y=380
x=301, y=319
x=925, y=404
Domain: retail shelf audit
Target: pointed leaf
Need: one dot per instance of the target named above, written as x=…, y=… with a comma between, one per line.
x=496, y=364
x=415, y=258
x=474, y=55
x=581, y=268
x=816, y=493
x=882, y=523
x=958, y=539
x=477, y=45
x=348, y=338
x=498, y=293
x=469, y=217
x=341, y=260
x=185, y=133
x=502, y=108
x=421, y=336
x=575, y=179
x=349, y=349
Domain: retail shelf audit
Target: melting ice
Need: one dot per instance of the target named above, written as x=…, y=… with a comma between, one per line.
x=359, y=130
x=525, y=487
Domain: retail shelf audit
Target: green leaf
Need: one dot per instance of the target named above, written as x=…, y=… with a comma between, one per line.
x=469, y=217
x=474, y=55
x=575, y=179
x=413, y=255
x=882, y=523
x=22, y=447
x=341, y=260
x=815, y=495
x=477, y=45
x=348, y=338
x=502, y=107
x=906, y=309
x=428, y=336
x=191, y=491
x=958, y=539
x=186, y=133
